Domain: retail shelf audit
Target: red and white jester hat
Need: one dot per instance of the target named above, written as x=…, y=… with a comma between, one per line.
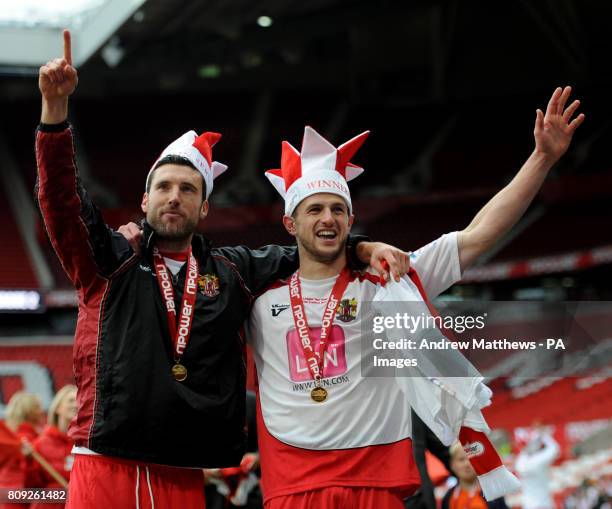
x=320, y=168
x=198, y=151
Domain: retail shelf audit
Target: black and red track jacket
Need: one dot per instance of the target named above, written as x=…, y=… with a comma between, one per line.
x=129, y=405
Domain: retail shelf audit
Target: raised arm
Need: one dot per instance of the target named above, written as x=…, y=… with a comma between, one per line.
x=553, y=133
x=81, y=240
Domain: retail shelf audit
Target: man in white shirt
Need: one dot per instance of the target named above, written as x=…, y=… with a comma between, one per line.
x=328, y=437
x=533, y=466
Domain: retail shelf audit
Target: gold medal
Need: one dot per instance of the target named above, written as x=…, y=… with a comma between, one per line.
x=179, y=372
x=314, y=360
x=318, y=394
x=180, y=336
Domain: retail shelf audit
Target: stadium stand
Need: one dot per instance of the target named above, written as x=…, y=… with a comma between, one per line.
x=448, y=91
x=15, y=268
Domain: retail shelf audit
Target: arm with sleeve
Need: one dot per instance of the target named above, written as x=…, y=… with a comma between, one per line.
x=85, y=246
x=259, y=267
x=437, y=264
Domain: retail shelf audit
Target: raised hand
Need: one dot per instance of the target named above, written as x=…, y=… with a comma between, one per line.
x=57, y=79
x=554, y=130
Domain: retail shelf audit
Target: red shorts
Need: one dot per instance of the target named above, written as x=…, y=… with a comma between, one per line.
x=101, y=482
x=338, y=497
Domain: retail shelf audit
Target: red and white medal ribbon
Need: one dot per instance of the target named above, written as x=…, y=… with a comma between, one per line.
x=314, y=360
x=180, y=332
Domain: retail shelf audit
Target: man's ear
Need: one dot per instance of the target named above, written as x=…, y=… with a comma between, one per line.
x=204, y=209
x=289, y=224
x=145, y=203
x=350, y=221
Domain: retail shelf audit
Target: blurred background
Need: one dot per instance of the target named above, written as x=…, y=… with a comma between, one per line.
x=449, y=90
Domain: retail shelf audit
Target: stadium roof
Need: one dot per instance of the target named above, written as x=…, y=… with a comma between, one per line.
x=29, y=29
x=388, y=53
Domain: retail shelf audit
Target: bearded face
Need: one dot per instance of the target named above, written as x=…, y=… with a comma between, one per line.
x=174, y=205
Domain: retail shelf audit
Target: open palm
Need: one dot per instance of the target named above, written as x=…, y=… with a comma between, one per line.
x=554, y=130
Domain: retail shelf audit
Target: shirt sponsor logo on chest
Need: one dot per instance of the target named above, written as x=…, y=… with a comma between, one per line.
x=334, y=359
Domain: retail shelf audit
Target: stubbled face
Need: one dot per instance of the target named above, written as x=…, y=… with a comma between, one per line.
x=173, y=205
x=67, y=408
x=461, y=466
x=321, y=224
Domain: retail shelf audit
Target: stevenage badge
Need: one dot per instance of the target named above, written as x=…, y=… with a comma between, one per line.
x=208, y=284
x=347, y=310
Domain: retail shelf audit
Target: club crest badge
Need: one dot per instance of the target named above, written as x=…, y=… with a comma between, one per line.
x=347, y=310
x=208, y=284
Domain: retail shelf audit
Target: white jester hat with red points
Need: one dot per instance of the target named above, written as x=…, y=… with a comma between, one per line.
x=319, y=168
x=198, y=151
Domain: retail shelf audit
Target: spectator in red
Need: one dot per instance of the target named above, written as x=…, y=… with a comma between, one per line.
x=54, y=444
x=24, y=415
x=24, y=418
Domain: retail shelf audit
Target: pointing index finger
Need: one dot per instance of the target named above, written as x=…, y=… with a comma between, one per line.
x=67, y=47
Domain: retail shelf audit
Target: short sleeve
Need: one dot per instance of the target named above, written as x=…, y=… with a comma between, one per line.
x=437, y=264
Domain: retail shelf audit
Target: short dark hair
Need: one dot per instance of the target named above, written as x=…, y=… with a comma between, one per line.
x=181, y=161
